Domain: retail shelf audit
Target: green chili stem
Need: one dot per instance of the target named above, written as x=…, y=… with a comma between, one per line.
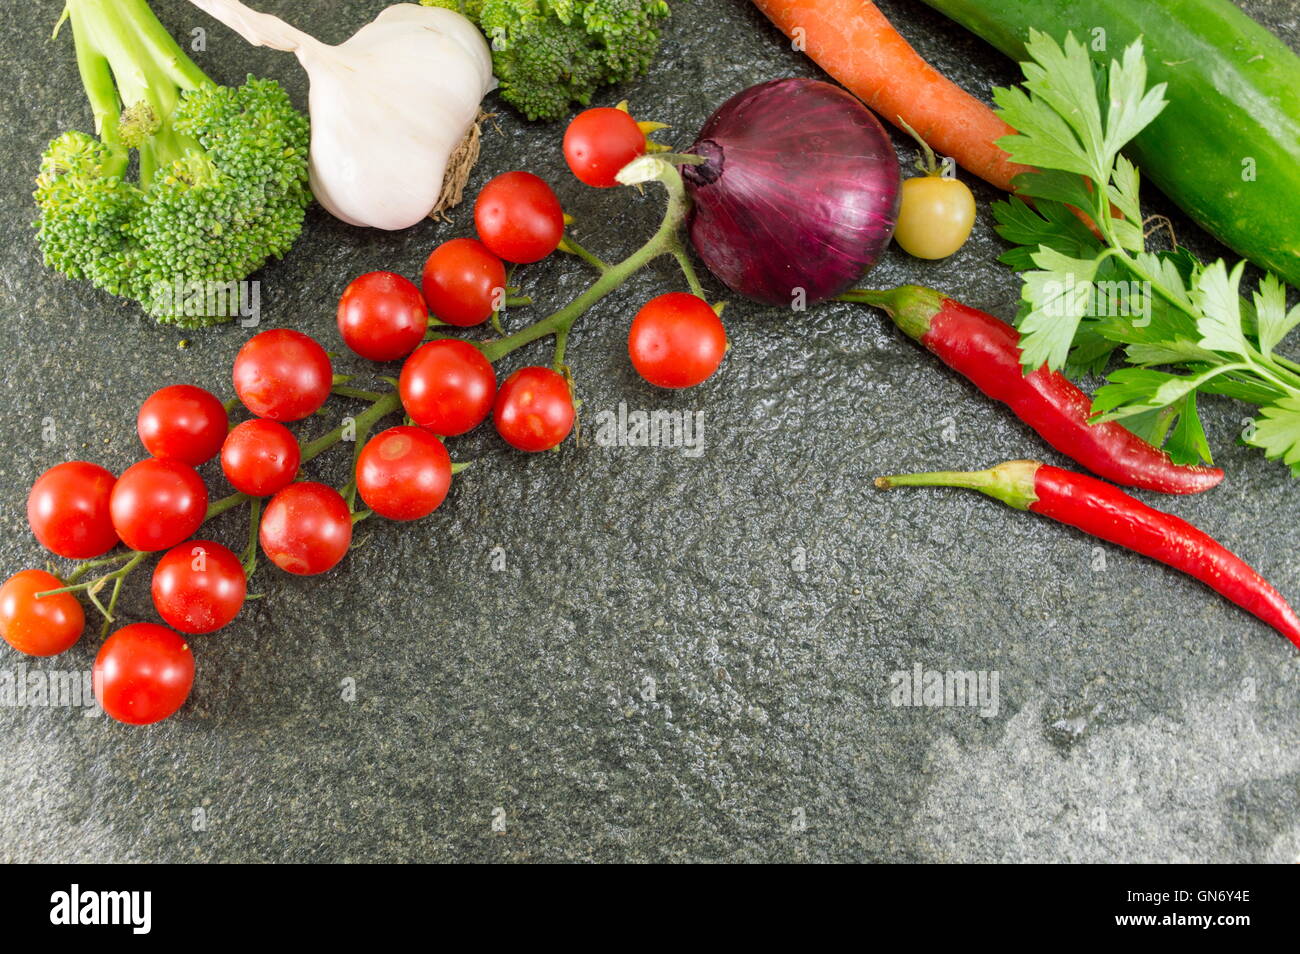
x=1012, y=482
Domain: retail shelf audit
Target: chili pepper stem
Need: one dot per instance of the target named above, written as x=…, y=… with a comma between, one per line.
x=1012, y=482
x=912, y=307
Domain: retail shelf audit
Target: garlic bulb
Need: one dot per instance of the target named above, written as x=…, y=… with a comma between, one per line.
x=388, y=107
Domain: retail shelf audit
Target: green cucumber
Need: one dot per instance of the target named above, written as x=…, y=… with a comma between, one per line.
x=1227, y=147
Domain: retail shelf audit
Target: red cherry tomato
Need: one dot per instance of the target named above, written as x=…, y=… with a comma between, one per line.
x=68, y=510
x=157, y=503
x=447, y=386
x=519, y=218
x=260, y=457
x=143, y=673
x=382, y=316
x=39, y=627
x=403, y=473
x=306, y=529
x=198, y=587
x=599, y=142
x=183, y=422
x=534, y=409
x=463, y=282
x=676, y=341
x=283, y=375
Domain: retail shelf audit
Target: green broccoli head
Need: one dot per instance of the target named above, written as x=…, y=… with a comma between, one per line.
x=221, y=172
x=549, y=54
x=86, y=209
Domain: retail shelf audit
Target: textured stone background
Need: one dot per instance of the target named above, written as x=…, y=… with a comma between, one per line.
x=1141, y=717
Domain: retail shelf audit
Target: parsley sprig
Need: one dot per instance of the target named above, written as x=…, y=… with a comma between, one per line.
x=1183, y=326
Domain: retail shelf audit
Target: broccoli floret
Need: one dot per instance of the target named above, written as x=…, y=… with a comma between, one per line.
x=220, y=178
x=549, y=53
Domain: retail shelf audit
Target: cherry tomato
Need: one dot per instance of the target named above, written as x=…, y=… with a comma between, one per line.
x=260, y=457
x=599, y=142
x=283, y=375
x=183, y=422
x=382, y=316
x=447, y=386
x=935, y=216
x=68, y=510
x=463, y=282
x=143, y=673
x=306, y=529
x=534, y=409
x=157, y=503
x=199, y=586
x=676, y=341
x=39, y=627
x=403, y=473
x=519, y=218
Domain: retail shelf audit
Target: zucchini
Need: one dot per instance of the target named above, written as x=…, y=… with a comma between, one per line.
x=1226, y=149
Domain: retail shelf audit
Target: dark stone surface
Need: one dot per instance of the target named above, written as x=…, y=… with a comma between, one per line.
x=1141, y=717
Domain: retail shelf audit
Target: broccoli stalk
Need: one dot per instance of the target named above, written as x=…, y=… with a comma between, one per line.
x=548, y=54
x=221, y=172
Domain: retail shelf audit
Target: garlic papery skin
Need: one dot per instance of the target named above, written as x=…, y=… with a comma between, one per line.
x=388, y=106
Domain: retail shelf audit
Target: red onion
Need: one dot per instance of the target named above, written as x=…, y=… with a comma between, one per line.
x=799, y=190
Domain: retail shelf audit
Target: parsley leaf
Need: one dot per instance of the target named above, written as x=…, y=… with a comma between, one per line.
x=1272, y=318
x=1059, y=293
x=1050, y=224
x=1277, y=431
x=1183, y=326
x=1219, y=323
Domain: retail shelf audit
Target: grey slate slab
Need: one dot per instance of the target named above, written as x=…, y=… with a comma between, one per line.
x=684, y=658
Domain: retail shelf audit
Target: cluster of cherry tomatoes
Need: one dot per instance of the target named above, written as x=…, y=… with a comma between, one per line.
x=447, y=386
x=81, y=511
x=677, y=339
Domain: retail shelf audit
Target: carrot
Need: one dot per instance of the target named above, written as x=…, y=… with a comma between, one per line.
x=853, y=42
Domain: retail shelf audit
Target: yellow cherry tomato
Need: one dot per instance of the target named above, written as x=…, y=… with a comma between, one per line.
x=935, y=216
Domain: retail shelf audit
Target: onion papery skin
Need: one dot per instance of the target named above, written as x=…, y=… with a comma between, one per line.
x=799, y=190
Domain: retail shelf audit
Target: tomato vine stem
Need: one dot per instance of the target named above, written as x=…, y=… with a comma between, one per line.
x=665, y=241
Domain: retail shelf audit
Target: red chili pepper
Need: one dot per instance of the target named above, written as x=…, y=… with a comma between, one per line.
x=987, y=351
x=1104, y=511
